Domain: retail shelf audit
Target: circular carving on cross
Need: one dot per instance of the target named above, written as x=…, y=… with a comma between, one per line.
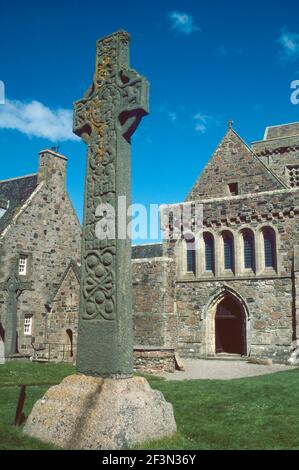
x=99, y=289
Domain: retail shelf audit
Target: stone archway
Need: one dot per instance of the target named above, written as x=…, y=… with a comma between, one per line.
x=227, y=324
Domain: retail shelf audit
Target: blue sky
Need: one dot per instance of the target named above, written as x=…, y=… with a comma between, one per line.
x=206, y=62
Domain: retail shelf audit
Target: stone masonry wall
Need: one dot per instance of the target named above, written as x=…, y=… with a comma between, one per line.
x=267, y=295
x=155, y=321
x=62, y=323
x=269, y=326
x=154, y=361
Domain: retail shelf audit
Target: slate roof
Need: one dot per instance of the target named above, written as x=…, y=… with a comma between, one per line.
x=147, y=251
x=13, y=194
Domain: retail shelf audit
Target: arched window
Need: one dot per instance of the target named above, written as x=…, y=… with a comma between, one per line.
x=191, y=255
x=269, y=247
x=209, y=252
x=248, y=250
x=228, y=247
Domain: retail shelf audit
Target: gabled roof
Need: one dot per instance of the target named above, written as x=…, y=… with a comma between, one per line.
x=13, y=195
x=72, y=265
x=234, y=161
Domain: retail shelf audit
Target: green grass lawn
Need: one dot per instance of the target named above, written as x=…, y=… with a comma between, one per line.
x=253, y=413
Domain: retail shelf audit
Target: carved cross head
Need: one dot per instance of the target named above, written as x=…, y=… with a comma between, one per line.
x=118, y=96
x=14, y=285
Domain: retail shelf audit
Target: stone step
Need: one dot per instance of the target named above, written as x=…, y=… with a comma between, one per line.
x=227, y=357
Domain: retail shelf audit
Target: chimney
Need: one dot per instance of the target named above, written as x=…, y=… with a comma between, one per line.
x=52, y=168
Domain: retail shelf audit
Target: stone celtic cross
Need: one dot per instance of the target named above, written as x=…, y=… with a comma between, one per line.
x=105, y=119
x=14, y=287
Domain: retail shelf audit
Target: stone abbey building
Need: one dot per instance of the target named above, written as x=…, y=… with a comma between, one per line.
x=236, y=290
x=232, y=290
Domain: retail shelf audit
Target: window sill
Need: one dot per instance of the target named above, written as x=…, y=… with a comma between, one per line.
x=268, y=272
x=246, y=273
x=227, y=273
x=243, y=277
x=189, y=276
x=207, y=275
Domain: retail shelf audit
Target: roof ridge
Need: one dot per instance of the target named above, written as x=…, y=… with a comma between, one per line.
x=21, y=207
x=18, y=177
x=149, y=244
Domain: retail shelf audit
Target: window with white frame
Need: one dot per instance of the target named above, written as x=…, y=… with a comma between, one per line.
x=23, y=264
x=27, y=325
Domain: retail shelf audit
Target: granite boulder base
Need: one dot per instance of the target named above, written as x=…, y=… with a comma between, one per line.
x=91, y=413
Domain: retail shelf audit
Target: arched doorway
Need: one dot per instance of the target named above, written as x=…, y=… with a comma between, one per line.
x=2, y=349
x=233, y=324
x=70, y=337
x=230, y=327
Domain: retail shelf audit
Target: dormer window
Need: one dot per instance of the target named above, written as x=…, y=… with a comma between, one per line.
x=23, y=265
x=233, y=189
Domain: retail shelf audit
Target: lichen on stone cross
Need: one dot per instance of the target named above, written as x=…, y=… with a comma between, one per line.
x=105, y=119
x=14, y=287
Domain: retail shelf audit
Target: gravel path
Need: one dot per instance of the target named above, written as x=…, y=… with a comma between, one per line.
x=222, y=370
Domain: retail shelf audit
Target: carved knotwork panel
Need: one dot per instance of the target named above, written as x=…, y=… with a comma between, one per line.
x=99, y=289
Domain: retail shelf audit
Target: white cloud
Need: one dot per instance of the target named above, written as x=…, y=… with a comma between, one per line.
x=289, y=43
x=172, y=116
x=36, y=120
x=202, y=122
x=182, y=22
